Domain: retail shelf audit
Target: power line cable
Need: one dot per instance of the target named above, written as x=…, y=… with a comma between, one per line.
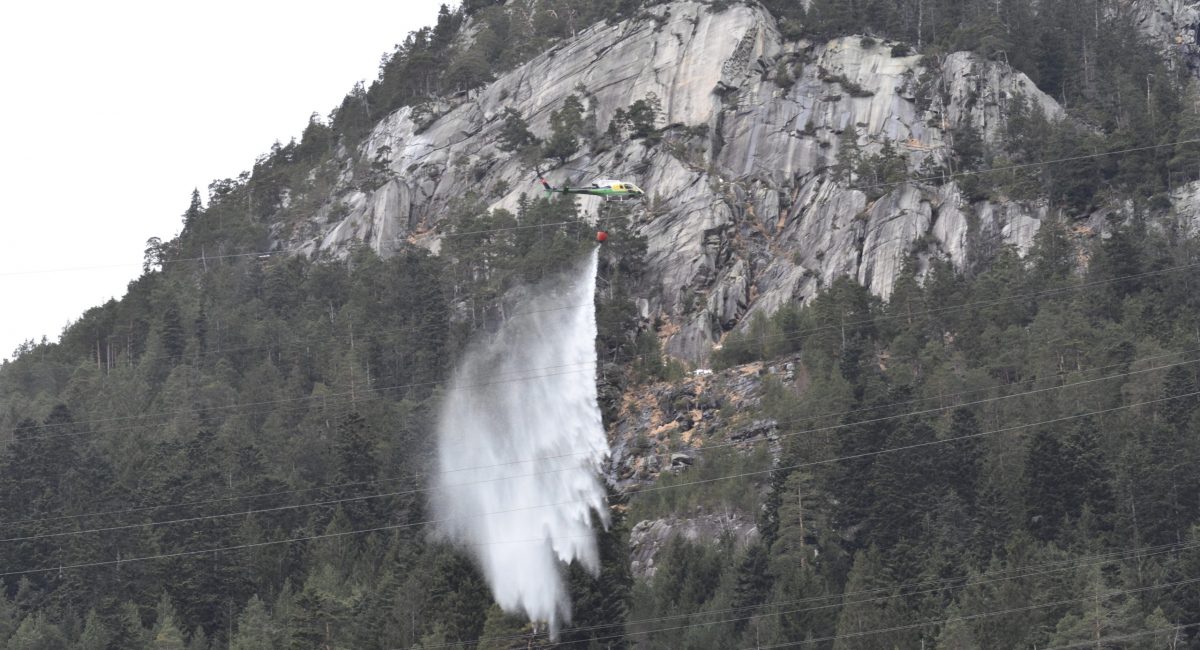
x=1103, y=641
x=1042, y=163
x=894, y=591
x=971, y=617
x=300, y=249
x=801, y=419
x=688, y=626
x=305, y=248
x=656, y=488
x=368, y=336
x=920, y=445
x=418, y=477
x=784, y=337
x=975, y=617
x=351, y=394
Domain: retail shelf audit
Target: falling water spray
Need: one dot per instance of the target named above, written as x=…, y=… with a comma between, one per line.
x=520, y=442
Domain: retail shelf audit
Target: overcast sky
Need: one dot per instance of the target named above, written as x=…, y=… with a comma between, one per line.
x=113, y=111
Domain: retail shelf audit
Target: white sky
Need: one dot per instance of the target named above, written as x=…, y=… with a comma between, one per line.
x=113, y=111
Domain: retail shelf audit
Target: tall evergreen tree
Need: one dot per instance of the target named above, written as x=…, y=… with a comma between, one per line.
x=256, y=628
x=194, y=211
x=1044, y=501
x=869, y=609
x=174, y=338
x=601, y=603
x=566, y=125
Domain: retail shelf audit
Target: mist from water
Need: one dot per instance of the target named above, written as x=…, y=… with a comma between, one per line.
x=520, y=442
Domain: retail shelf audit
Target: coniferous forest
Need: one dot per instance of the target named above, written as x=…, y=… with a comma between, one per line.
x=236, y=454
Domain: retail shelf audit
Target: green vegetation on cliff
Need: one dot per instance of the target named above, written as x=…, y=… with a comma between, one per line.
x=1019, y=449
x=233, y=454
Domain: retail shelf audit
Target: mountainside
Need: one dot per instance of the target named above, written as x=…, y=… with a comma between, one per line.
x=1173, y=25
x=753, y=201
x=750, y=128
x=899, y=350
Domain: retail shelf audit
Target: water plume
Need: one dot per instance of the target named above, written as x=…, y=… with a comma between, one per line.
x=520, y=442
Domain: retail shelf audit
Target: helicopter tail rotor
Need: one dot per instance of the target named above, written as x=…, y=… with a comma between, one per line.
x=542, y=179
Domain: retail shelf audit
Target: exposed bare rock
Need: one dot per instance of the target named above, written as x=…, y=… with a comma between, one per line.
x=951, y=226
x=979, y=92
x=1174, y=25
x=747, y=216
x=648, y=538
x=893, y=224
x=658, y=424
x=679, y=460
x=1186, y=204
x=756, y=429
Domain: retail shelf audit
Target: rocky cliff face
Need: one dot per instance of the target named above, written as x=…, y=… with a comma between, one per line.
x=745, y=213
x=1174, y=25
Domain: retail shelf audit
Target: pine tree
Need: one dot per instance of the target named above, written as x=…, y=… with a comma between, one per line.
x=95, y=634
x=994, y=511
x=355, y=450
x=515, y=134
x=1165, y=635
x=153, y=255
x=1186, y=159
x=1118, y=262
x=956, y=634
x=1098, y=617
x=10, y=617
x=1179, y=390
x=174, y=339
x=862, y=615
x=36, y=632
x=566, y=123
x=1085, y=475
x=315, y=621
x=754, y=583
x=457, y=597
x=199, y=640
x=601, y=603
x=125, y=625
x=1052, y=255
x=901, y=484
x=503, y=631
x=849, y=156
x=832, y=17
x=643, y=116
x=963, y=456
x=167, y=637
x=1157, y=472
x=791, y=582
x=256, y=629
x=194, y=211
x=1017, y=629
x=1044, y=487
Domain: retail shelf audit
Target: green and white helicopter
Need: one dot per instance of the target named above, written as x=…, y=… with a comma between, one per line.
x=609, y=190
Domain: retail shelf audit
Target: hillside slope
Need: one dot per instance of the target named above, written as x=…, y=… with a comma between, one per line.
x=739, y=167
x=899, y=352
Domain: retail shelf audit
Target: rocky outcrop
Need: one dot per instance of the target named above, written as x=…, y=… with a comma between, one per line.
x=1174, y=25
x=746, y=214
x=649, y=537
x=665, y=427
x=1185, y=202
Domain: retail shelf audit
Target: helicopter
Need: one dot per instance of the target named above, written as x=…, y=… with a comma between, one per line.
x=609, y=190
